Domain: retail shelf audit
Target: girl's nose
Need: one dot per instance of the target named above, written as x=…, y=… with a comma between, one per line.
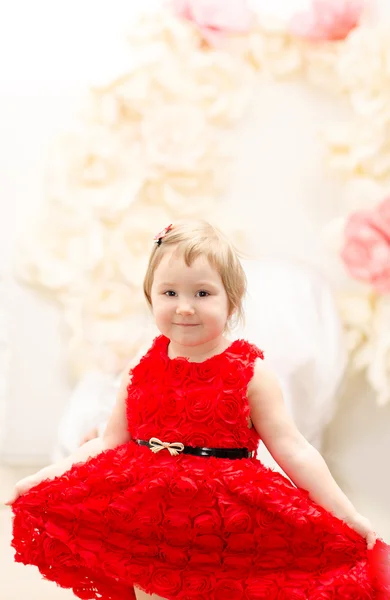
x=184, y=308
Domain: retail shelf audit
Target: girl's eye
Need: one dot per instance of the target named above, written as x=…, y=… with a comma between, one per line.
x=170, y=293
x=203, y=294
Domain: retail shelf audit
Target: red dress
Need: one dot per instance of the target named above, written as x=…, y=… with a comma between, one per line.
x=188, y=527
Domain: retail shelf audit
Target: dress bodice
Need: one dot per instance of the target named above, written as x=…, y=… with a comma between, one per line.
x=199, y=404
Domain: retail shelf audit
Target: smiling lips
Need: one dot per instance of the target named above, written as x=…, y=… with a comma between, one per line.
x=186, y=324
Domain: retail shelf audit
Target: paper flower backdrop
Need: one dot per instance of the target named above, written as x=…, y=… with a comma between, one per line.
x=216, y=19
x=4, y=355
x=328, y=19
x=155, y=145
x=366, y=249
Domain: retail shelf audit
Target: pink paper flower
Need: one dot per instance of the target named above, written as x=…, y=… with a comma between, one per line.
x=216, y=18
x=328, y=20
x=366, y=251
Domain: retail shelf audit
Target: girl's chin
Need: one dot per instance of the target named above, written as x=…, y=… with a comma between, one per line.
x=195, y=337
x=191, y=335
x=188, y=337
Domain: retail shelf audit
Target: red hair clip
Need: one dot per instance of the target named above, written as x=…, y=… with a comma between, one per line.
x=159, y=237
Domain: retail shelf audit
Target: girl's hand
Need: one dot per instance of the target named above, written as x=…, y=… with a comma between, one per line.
x=81, y=455
x=363, y=526
x=23, y=486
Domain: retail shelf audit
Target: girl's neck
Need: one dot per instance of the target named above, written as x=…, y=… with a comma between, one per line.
x=198, y=353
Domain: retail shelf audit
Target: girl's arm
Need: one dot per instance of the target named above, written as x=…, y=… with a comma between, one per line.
x=302, y=463
x=116, y=433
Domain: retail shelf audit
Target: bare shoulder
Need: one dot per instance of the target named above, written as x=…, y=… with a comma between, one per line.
x=265, y=397
x=264, y=382
x=270, y=416
x=116, y=432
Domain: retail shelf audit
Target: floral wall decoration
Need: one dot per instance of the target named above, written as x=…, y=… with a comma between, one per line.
x=156, y=143
x=4, y=354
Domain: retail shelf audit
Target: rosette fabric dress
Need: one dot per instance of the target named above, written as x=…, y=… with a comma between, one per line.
x=191, y=527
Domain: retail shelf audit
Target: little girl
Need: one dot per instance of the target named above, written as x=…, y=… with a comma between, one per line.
x=172, y=501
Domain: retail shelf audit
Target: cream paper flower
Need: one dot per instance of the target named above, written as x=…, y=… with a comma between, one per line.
x=366, y=319
x=216, y=83
x=156, y=79
x=187, y=194
x=62, y=250
x=221, y=85
x=97, y=172
x=361, y=147
x=177, y=138
x=210, y=80
x=320, y=62
x=378, y=369
x=107, y=325
x=362, y=193
x=363, y=69
x=131, y=243
x=5, y=353
x=185, y=161
x=273, y=50
x=357, y=311
x=164, y=30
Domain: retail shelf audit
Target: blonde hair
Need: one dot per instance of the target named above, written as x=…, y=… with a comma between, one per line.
x=200, y=238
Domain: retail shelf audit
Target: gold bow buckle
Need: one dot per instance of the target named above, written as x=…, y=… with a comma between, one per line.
x=157, y=445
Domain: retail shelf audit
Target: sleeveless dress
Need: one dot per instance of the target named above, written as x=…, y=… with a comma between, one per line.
x=188, y=527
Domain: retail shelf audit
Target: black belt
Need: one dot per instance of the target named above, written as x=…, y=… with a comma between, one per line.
x=176, y=448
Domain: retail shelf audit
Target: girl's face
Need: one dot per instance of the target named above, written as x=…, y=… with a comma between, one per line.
x=190, y=304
